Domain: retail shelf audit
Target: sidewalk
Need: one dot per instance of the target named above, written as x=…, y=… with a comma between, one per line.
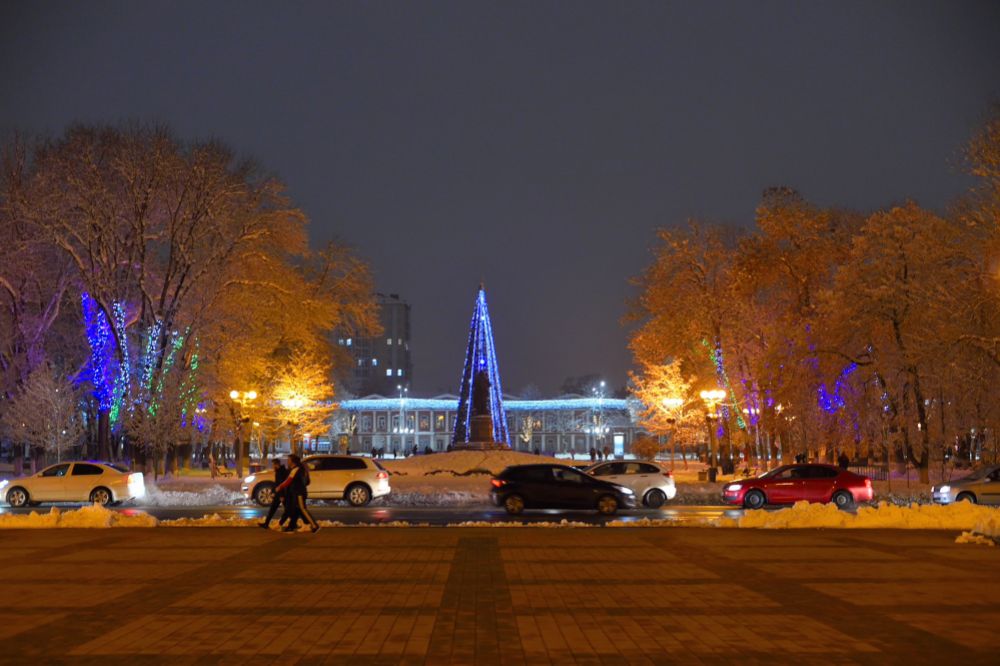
x=496, y=596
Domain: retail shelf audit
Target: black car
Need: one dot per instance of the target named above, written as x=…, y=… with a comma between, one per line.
x=523, y=487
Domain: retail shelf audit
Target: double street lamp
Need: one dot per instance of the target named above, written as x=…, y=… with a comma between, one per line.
x=712, y=398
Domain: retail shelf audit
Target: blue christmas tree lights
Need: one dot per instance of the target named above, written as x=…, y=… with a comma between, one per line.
x=481, y=355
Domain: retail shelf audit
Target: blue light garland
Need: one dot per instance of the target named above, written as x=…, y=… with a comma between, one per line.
x=440, y=404
x=481, y=355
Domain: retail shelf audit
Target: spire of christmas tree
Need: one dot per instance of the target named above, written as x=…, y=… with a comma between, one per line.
x=480, y=365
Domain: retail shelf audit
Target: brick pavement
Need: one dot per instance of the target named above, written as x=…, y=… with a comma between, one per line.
x=496, y=596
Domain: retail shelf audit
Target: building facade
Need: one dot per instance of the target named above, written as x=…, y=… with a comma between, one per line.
x=383, y=363
x=567, y=425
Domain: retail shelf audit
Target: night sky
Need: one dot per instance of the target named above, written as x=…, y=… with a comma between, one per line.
x=535, y=145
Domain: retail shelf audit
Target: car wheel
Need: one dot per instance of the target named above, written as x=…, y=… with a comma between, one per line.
x=607, y=505
x=966, y=497
x=101, y=496
x=754, y=500
x=358, y=494
x=655, y=498
x=263, y=494
x=17, y=496
x=843, y=499
x=514, y=504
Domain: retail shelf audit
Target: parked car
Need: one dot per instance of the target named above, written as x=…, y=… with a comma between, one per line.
x=75, y=481
x=357, y=480
x=793, y=483
x=982, y=486
x=521, y=487
x=651, y=484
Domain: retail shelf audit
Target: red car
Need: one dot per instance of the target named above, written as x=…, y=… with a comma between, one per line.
x=792, y=483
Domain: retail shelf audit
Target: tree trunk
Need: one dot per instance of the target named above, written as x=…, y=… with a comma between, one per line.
x=238, y=449
x=103, y=435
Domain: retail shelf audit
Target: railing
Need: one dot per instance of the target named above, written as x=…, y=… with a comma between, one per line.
x=873, y=472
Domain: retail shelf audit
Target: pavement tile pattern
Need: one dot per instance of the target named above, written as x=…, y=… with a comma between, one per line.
x=496, y=596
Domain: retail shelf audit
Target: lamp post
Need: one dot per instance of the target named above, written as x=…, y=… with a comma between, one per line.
x=243, y=399
x=671, y=405
x=402, y=423
x=711, y=399
x=293, y=404
x=597, y=429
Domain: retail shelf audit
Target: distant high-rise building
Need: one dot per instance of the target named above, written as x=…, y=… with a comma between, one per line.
x=383, y=363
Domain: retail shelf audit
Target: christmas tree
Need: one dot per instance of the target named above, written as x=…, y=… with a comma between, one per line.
x=481, y=396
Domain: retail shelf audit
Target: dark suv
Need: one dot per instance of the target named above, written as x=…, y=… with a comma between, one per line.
x=523, y=487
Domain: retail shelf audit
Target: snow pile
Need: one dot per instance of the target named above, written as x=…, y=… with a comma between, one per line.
x=959, y=516
x=422, y=495
x=213, y=520
x=978, y=539
x=214, y=495
x=94, y=516
x=483, y=523
x=460, y=463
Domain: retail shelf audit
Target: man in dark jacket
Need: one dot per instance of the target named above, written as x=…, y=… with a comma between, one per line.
x=280, y=474
x=295, y=498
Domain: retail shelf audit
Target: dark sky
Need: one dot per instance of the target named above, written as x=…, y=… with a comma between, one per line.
x=533, y=144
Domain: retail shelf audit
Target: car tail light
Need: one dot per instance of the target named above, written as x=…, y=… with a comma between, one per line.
x=382, y=475
x=498, y=483
x=669, y=475
x=868, y=482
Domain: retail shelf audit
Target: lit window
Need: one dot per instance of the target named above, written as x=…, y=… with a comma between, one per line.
x=400, y=341
x=388, y=372
x=388, y=341
x=340, y=341
x=348, y=342
x=360, y=361
x=399, y=373
x=374, y=361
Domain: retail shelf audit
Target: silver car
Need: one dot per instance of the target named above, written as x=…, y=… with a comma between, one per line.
x=982, y=486
x=652, y=484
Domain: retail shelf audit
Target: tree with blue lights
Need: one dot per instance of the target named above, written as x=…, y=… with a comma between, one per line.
x=480, y=360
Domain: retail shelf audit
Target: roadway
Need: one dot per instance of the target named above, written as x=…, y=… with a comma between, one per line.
x=418, y=515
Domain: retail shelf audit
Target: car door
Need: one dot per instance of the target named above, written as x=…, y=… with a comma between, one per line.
x=536, y=486
x=574, y=489
x=82, y=479
x=322, y=479
x=613, y=472
x=647, y=476
x=784, y=487
x=989, y=489
x=49, y=485
x=818, y=483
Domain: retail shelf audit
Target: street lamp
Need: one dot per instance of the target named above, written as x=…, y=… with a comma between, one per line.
x=712, y=398
x=671, y=405
x=294, y=403
x=243, y=399
x=402, y=423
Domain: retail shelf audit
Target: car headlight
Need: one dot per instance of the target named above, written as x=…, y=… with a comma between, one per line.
x=250, y=478
x=3, y=482
x=627, y=491
x=942, y=489
x=734, y=486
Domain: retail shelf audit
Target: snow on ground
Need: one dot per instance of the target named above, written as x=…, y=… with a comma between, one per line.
x=179, y=494
x=94, y=516
x=959, y=516
x=973, y=538
x=456, y=463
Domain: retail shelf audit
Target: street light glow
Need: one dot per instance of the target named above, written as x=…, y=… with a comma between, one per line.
x=713, y=395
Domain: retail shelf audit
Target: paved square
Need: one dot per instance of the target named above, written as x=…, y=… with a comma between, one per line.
x=496, y=596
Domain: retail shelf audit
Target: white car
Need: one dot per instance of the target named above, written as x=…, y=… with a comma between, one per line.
x=357, y=480
x=78, y=481
x=982, y=486
x=651, y=484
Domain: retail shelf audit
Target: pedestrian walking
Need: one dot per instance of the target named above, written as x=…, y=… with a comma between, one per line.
x=280, y=474
x=295, y=488
x=843, y=461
